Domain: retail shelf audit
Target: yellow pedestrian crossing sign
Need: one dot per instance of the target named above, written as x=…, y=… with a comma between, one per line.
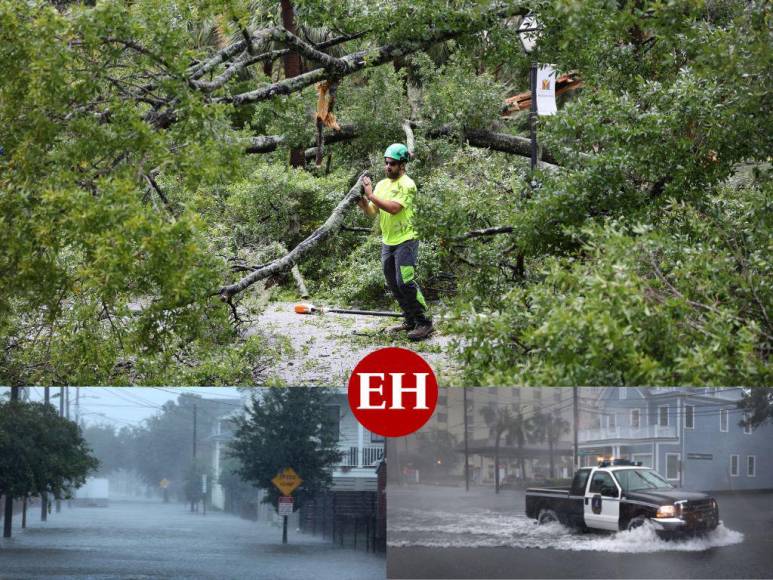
x=287, y=481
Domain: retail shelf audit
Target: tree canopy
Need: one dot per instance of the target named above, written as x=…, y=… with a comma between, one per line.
x=758, y=404
x=288, y=427
x=146, y=191
x=40, y=451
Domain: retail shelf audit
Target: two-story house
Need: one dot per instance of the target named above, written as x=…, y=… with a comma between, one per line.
x=361, y=452
x=690, y=435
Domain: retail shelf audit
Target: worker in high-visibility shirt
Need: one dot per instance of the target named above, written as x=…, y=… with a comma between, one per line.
x=393, y=200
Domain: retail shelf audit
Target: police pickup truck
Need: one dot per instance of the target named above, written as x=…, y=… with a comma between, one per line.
x=621, y=495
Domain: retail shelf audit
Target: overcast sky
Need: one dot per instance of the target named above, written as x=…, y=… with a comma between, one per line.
x=122, y=406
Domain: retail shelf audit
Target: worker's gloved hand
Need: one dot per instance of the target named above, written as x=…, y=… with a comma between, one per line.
x=367, y=186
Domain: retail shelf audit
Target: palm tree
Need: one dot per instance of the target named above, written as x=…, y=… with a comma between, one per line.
x=502, y=423
x=548, y=428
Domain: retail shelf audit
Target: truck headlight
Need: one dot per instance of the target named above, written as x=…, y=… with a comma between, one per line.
x=666, y=511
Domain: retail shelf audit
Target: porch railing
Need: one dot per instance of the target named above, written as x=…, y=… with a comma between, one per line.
x=626, y=432
x=371, y=454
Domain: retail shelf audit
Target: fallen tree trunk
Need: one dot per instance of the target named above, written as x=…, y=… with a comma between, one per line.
x=289, y=260
x=480, y=138
x=496, y=141
x=269, y=143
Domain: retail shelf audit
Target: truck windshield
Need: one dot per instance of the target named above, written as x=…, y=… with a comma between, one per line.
x=638, y=479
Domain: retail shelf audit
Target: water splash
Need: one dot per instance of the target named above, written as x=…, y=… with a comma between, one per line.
x=492, y=529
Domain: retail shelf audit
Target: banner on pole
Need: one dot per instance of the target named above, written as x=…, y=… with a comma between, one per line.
x=546, y=90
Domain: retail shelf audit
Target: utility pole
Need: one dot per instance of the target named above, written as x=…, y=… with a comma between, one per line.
x=61, y=414
x=44, y=494
x=8, y=514
x=576, y=411
x=78, y=405
x=194, y=431
x=466, y=446
x=193, y=501
x=533, y=118
x=67, y=403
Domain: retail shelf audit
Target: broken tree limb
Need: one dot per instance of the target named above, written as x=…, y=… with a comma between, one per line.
x=410, y=141
x=285, y=263
x=479, y=138
x=496, y=141
x=269, y=143
x=299, y=282
x=485, y=232
x=352, y=63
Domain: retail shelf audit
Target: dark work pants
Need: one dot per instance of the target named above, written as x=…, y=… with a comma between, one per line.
x=399, y=263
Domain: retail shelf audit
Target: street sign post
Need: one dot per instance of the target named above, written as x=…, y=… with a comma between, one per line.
x=286, y=481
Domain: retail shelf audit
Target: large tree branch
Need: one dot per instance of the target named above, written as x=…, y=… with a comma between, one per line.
x=485, y=232
x=269, y=143
x=248, y=60
x=285, y=263
x=480, y=138
x=503, y=142
x=355, y=62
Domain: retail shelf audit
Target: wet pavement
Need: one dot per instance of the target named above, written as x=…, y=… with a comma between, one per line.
x=437, y=532
x=144, y=539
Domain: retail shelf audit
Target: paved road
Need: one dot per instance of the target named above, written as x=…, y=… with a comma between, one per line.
x=323, y=349
x=443, y=533
x=156, y=540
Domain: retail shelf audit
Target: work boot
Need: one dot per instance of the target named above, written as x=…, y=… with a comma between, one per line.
x=406, y=326
x=421, y=332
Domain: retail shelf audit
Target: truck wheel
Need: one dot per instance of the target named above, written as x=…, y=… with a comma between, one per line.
x=636, y=522
x=547, y=516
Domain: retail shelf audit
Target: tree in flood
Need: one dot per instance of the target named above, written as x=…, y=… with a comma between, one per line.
x=40, y=452
x=288, y=427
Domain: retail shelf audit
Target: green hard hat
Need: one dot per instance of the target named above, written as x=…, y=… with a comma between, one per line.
x=397, y=151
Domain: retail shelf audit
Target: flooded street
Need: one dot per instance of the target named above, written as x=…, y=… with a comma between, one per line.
x=150, y=539
x=438, y=532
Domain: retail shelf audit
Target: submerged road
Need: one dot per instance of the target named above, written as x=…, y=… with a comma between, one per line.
x=446, y=533
x=147, y=539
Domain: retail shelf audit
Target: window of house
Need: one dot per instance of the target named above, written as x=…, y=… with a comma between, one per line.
x=663, y=416
x=623, y=393
x=747, y=428
x=689, y=417
x=611, y=420
x=723, y=420
x=334, y=420
x=672, y=466
x=635, y=418
x=734, y=465
x=376, y=438
x=751, y=465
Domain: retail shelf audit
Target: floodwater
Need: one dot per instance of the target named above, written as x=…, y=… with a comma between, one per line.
x=445, y=529
x=150, y=539
x=446, y=532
